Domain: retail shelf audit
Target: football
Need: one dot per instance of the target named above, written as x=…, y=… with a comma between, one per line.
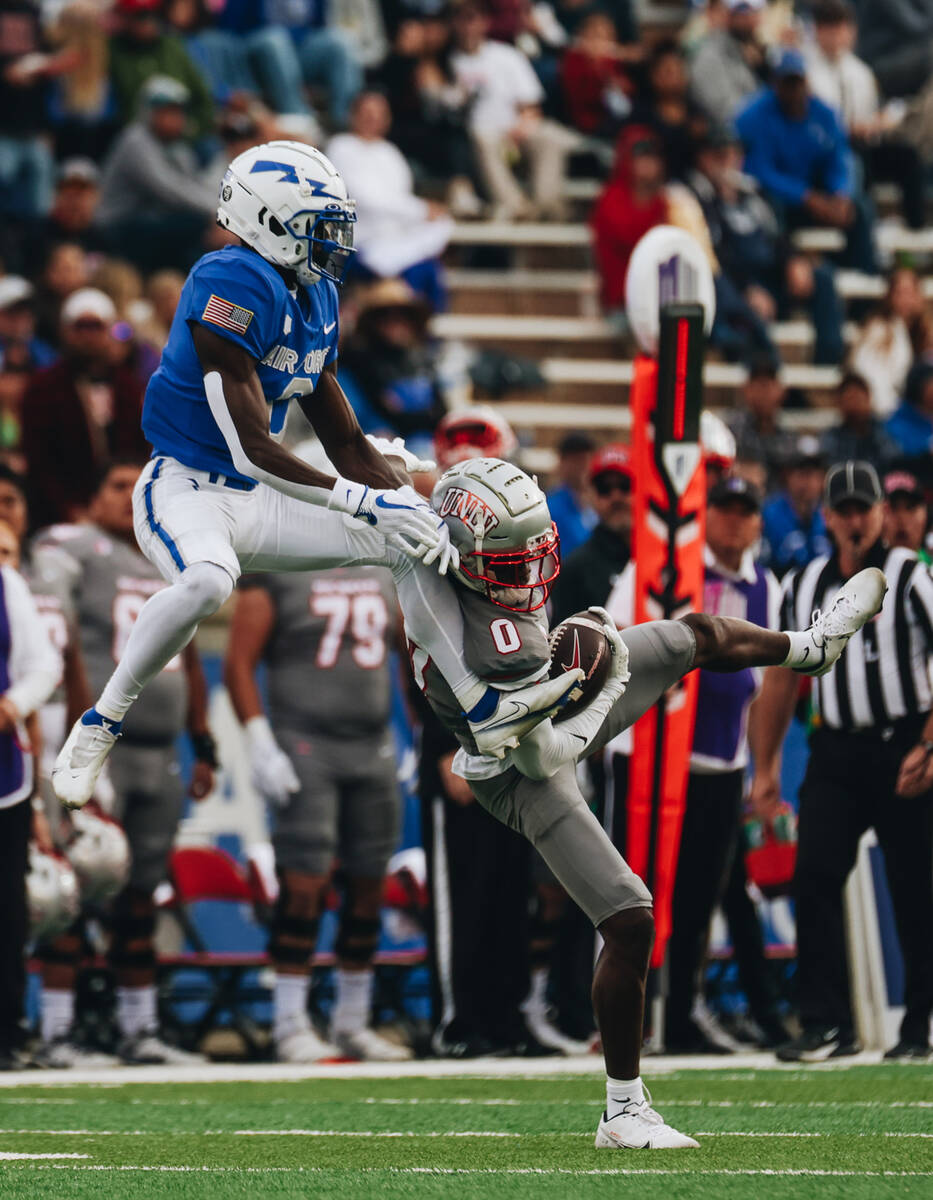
x=580, y=641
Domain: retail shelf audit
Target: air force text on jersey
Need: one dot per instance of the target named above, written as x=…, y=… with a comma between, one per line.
x=243, y=298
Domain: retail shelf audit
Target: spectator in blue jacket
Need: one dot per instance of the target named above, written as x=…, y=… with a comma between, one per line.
x=797, y=149
x=569, y=502
x=793, y=529
x=911, y=425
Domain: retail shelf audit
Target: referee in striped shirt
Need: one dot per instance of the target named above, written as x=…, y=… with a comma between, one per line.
x=870, y=766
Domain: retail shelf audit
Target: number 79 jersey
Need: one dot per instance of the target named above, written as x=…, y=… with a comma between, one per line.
x=327, y=663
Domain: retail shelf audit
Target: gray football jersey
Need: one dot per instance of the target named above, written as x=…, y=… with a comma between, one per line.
x=503, y=648
x=53, y=610
x=327, y=664
x=103, y=582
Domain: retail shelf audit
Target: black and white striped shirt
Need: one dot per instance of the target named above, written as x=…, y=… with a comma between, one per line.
x=884, y=674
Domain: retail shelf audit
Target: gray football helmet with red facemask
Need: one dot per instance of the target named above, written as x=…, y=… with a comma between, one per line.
x=499, y=521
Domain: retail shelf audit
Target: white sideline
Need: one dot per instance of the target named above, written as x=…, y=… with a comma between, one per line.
x=488, y=1068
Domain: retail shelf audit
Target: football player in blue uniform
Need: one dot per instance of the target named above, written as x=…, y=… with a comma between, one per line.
x=257, y=327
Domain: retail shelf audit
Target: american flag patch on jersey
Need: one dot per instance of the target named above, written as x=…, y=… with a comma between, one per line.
x=229, y=316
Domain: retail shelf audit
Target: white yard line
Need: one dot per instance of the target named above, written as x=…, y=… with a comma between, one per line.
x=490, y=1171
x=483, y=1068
x=15, y=1156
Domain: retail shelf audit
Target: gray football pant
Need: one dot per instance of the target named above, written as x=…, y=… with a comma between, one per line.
x=552, y=813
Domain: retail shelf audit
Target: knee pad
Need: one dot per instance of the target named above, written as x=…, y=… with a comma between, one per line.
x=292, y=935
x=132, y=927
x=207, y=585
x=357, y=939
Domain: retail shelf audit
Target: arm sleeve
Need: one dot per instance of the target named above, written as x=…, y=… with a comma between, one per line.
x=35, y=664
x=548, y=747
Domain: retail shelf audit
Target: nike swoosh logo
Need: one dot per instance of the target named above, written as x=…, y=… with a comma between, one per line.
x=575, y=661
x=518, y=710
x=381, y=502
x=328, y=328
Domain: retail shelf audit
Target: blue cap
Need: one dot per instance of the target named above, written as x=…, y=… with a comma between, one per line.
x=788, y=61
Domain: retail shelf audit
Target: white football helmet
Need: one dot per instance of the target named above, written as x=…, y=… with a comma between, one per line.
x=99, y=855
x=499, y=521
x=52, y=894
x=475, y=432
x=717, y=442
x=288, y=201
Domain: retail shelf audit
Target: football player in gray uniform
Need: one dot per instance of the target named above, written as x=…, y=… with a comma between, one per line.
x=328, y=773
x=509, y=557
x=104, y=580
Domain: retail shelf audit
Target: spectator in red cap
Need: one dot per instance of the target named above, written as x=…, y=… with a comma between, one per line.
x=587, y=575
x=906, y=514
x=80, y=412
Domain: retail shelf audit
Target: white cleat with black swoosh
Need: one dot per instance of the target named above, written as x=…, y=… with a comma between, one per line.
x=81, y=759
x=518, y=712
x=857, y=601
x=639, y=1127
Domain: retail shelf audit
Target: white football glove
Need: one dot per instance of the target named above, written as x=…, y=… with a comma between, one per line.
x=270, y=768
x=404, y=518
x=618, y=668
x=397, y=449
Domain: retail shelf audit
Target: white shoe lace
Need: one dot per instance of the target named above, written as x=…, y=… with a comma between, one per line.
x=92, y=740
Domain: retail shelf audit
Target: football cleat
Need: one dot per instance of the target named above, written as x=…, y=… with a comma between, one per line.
x=544, y=1031
x=64, y=1054
x=909, y=1051
x=639, y=1127
x=368, y=1046
x=82, y=758
x=817, y=1045
x=517, y=713
x=146, y=1048
x=302, y=1045
x=857, y=601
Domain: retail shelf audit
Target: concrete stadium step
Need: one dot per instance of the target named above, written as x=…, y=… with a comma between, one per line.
x=536, y=336
x=545, y=423
x=524, y=293
x=576, y=381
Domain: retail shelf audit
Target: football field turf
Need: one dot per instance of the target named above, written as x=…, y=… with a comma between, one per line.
x=859, y=1132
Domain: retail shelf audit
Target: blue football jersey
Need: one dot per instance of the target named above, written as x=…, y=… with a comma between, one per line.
x=237, y=295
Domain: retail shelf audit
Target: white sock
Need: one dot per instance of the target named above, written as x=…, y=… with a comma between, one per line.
x=353, y=1001
x=535, y=1003
x=620, y=1092
x=801, y=648
x=165, y=625
x=136, y=1010
x=291, y=1003
x=58, y=1012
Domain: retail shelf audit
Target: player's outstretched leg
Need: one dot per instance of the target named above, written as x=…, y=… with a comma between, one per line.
x=629, y=1122
x=727, y=644
x=166, y=624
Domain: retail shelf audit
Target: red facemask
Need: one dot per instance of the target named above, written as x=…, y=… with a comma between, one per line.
x=517, y=580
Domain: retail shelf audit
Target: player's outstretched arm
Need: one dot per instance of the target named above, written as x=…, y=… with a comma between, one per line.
x=238, y=406
x=548, y=747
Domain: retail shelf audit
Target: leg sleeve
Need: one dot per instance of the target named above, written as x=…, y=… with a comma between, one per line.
x=554, y=817
x=660, y=654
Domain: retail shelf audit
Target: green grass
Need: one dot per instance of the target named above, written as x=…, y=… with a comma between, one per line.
x=526, y=1138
